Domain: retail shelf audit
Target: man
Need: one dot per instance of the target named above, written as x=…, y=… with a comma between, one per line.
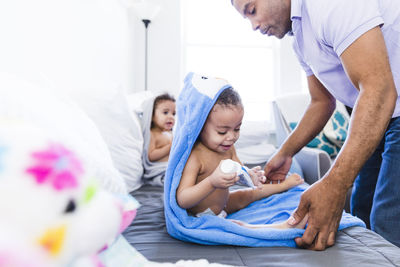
x=350, y=51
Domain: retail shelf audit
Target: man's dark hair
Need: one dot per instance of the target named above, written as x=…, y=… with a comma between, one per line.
x=229, y=97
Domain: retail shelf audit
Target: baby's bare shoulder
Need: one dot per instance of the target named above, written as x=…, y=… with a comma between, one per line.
x=194, y=157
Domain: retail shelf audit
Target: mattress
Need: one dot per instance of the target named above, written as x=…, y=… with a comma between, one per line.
x=354, y=246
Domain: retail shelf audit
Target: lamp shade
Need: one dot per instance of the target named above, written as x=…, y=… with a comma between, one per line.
x=145, y=10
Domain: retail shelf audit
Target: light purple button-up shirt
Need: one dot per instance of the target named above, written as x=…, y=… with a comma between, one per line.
x=323, y=29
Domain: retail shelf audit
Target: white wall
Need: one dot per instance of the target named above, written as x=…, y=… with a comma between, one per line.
x=289, y=71
x=82, y=44
x=164, y=49
x=68, y=44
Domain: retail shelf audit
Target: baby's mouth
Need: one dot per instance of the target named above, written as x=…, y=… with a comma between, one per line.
x=226, y=147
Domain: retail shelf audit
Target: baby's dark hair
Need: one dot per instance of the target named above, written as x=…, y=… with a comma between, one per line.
x=229, y=97
x=161, y=98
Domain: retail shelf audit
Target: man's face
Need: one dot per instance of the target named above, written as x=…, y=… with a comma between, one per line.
x=271, y=17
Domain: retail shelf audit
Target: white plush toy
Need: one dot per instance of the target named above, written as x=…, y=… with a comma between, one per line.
x=51, y=211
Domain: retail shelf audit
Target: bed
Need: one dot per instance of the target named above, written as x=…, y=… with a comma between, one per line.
x=147, y=234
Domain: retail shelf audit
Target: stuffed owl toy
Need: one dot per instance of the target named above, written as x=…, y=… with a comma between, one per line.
x=52, y=213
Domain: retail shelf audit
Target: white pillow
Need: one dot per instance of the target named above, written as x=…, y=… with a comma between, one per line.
x=337, y=127
x=253, y=145
x=135, y=100
x=20, y=100
x=253, y=133
x=120, y=129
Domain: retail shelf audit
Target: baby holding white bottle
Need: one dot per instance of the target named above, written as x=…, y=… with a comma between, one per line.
x=209, y=171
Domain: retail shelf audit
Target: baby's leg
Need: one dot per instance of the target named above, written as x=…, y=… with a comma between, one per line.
x=267, y=190
x=292, y=180
x=241, y=198
x=282, y=225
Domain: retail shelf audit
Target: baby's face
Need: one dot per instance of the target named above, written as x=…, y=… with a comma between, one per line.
x=164, y=115
x=222, y=128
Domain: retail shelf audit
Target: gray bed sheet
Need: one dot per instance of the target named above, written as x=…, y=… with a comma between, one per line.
x=355, y=246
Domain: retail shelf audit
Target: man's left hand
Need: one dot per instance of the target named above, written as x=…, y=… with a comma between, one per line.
x=323, y=202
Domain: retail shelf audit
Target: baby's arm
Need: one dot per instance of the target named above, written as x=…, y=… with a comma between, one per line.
x=189, y=194
x=156, y=153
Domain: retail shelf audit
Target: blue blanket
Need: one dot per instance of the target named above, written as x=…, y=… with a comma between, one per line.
x=193, y=105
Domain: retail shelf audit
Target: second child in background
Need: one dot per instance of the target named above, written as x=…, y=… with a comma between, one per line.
x=163, y=120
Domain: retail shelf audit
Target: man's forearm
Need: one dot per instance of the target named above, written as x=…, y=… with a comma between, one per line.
x=370, y=119
x=367, y=66
x=312, y=123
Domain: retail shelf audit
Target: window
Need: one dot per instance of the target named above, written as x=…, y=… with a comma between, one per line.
x=219, y=42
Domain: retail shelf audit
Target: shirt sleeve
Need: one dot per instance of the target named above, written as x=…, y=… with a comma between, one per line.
x=303, y=64
x=342, y=21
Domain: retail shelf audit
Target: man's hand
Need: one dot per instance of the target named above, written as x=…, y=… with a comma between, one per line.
x=323, y=202
x=277, y=168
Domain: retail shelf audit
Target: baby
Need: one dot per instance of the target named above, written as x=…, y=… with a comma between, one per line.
x=204, y=188
x=163, y=120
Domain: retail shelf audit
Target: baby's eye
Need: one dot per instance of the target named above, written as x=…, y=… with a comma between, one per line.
x=165, y=112
x=221, y=133
x=237, y=130
x=173, y=113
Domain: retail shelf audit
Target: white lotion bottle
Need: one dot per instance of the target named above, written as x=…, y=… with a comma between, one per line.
x=230, y=166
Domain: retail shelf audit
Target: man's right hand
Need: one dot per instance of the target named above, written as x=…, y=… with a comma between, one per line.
x=277, y=168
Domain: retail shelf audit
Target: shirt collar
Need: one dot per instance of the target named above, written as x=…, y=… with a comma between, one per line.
x=295, y=9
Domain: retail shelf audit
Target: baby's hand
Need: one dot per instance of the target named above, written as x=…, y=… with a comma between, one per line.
x=257, y=175
x=220, y=179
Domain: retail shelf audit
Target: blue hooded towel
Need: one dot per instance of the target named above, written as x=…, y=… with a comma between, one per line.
x=194, y=103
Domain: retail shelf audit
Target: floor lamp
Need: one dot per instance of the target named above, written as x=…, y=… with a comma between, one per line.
x=146, y=12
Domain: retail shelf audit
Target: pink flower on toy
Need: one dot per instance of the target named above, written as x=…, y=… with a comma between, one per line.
x=56, y=166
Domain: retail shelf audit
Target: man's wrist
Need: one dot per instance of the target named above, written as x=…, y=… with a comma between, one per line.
x=286, y=151
x=341, y=183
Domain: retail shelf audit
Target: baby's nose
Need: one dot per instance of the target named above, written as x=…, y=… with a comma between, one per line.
x=231, y=136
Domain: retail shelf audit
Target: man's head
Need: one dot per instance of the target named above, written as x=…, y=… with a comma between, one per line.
x=271, y=17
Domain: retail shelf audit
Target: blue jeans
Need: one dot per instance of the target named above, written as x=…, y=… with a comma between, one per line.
x=376, y=191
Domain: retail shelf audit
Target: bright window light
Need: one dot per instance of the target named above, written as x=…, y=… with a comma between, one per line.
x=219, y=42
